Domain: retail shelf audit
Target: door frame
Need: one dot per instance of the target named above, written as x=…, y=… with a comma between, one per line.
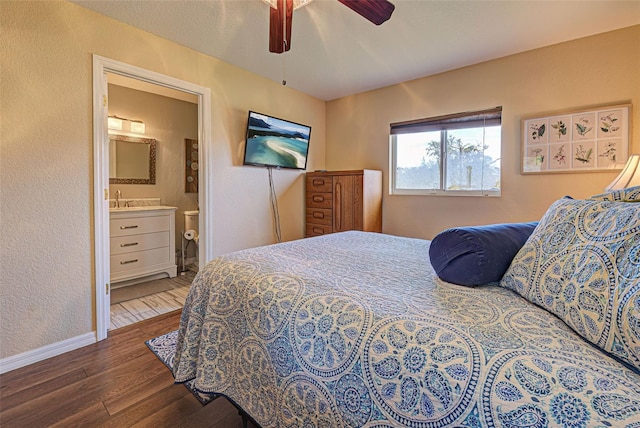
x=101, y=66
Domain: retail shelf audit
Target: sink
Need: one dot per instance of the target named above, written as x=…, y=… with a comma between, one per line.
x=134, y=204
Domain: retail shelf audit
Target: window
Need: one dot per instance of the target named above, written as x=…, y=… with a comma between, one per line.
x=456, y=154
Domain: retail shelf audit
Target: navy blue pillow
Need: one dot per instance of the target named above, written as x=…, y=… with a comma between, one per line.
x=477, y=255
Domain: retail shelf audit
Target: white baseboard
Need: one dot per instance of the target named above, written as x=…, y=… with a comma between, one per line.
x=39, y=354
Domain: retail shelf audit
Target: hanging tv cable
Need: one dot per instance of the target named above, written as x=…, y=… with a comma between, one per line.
x=274, y=206
x=284, y=67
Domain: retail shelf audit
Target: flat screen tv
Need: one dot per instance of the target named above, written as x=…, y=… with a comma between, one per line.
x=276, y=143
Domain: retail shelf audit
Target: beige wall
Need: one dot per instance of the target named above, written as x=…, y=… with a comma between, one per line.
x=603, y=69
x=169, y=121
x=46, y=163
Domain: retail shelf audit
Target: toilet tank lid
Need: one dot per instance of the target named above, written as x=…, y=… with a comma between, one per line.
x=191, y=212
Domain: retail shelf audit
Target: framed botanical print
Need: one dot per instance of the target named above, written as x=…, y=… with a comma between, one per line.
x=584, y=140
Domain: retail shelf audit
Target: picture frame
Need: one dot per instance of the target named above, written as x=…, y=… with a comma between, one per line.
x=191, y=166
x=581, y=140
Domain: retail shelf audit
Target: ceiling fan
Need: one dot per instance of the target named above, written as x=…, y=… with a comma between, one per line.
x=281, y=14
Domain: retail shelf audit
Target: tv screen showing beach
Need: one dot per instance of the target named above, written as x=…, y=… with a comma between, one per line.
x=274, y=142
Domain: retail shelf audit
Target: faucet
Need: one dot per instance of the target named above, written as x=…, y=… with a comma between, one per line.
x=118, y=196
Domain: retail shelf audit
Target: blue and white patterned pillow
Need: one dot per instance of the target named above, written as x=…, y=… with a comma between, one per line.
x=582, y=263
x=628, y=194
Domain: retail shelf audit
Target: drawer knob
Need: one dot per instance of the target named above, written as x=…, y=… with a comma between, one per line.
x=318, y=214
x=318, y=182
x=129, y=227
x=318, y=230
x=125, y=262
x=130, y=244
x=318, y=198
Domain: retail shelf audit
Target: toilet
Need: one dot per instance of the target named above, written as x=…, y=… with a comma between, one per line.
x=190, y=234
x=191, y=223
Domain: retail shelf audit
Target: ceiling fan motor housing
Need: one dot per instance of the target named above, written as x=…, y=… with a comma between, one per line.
x=280, y=17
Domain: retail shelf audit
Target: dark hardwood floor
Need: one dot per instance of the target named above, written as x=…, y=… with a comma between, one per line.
x=117, y=382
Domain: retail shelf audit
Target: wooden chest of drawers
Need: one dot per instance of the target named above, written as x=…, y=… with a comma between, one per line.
x=343, y=200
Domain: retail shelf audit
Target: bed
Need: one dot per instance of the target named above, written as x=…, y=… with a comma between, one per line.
x=356, y=329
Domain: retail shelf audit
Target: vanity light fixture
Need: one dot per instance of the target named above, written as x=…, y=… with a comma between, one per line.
x=629, y=177
x=137, y=126
x=121, y=124
x=114, y=122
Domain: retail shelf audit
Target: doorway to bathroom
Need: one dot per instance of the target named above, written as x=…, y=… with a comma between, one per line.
x=117, y=88
x=153, y=161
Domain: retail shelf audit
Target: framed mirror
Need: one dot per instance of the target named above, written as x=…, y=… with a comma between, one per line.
x=132, y=160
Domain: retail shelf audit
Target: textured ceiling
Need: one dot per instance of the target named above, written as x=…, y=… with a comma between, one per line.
x=335, y=52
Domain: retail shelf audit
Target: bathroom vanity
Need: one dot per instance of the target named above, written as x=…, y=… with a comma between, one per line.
x=142, y=242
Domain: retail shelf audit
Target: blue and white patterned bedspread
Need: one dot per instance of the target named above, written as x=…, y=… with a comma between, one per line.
x=355, y=329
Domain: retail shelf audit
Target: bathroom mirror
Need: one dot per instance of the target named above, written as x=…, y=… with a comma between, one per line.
x=132, y=160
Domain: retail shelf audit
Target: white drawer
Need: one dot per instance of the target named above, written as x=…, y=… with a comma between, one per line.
x=139, y=225
x=133, y=243
x=139, y=260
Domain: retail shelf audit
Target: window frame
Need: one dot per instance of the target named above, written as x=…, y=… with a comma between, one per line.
x=483, y=118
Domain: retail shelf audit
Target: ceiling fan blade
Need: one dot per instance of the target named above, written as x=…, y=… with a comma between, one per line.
x=376, y=11
x=280, y=26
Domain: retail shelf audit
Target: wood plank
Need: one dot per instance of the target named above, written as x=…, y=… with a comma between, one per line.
x=142, y=391
x=160, y=303
x=77, y=397
x=172, y=414
x=218, y=414
x=93, y=416
x=139, y=309
x=121, y=317
x=29, y=391
x=122, y=351
x=145, y=408
x=117, y=382
x=161, y=324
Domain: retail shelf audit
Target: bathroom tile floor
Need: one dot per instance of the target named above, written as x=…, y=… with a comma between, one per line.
x=133, y=311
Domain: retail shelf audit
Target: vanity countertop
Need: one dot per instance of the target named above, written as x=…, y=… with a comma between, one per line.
x=137, y=204
x=142, y=208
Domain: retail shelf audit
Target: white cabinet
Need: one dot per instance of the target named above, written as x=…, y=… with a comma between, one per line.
x=142, y=243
